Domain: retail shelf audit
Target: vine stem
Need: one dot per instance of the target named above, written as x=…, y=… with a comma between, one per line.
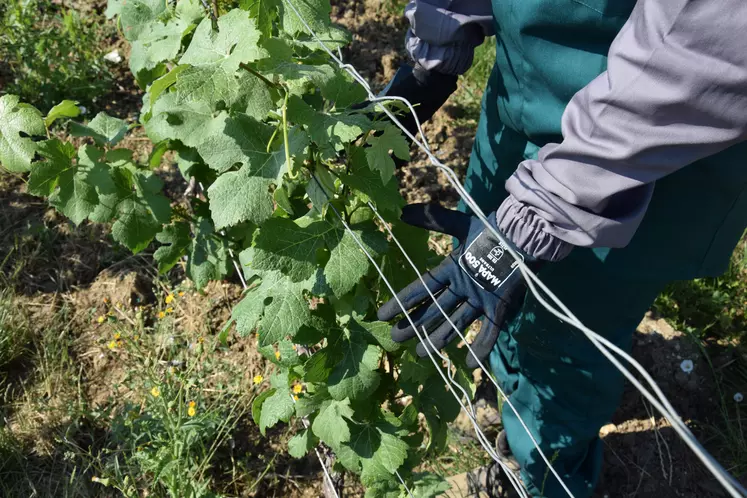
x=291, y=173
x=272, y=138
x=267, y=82
x=210, y=12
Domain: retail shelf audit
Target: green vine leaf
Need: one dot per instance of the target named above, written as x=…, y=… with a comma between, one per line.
x=386, y=489
x=354, y=374
x=290, y=246
x=278, y=406
x=135, y=15
x=316, y=14
x=263, y=11
x=330, y=132
x=18, y=123
x=380, y=145
x=235, y=42
x=302, y=443
x=255, y=98
x=211, y=84
x=362, y=178
x=58, y=158
x=161, y=40
x=428, y=485
x=331, y=425
x=176, y=241
x=104, y=129
x=378, y=333
x=208, y=256
x=157, y=42
x=334, y=85
x=64, y=181
x=159, y=86
x=277, y=307
x=347, y=263
x=245, y=194
x=142, y=213
x=380, y=449
x=186, y=122
x=309, y=404
x=65, y=109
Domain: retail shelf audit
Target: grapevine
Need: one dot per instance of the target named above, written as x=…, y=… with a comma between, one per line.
x=282, y=146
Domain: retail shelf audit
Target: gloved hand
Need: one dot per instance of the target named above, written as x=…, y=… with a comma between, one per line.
x=426, y=90
x=479, y=278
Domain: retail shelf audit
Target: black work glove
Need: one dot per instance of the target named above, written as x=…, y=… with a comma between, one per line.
x=426, y=90
x=479, y=278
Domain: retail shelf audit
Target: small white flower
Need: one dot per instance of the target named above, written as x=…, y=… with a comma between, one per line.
x=686, y=366
x=113, y=57
x=83, y=109
x=738, y=397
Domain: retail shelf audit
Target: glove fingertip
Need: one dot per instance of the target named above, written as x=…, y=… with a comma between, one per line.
x=472, y=362
x=388, y=310
x=421, y=351
x=401, y=334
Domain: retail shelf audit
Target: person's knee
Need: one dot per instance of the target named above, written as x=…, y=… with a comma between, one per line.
x=563, y=412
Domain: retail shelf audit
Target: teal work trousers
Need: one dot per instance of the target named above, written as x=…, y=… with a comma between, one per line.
x=562, y=387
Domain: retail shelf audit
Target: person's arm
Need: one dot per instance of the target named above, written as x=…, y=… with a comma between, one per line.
x=443, y=34
x=675, y=91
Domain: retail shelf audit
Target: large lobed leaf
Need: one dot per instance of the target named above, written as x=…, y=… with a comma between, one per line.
x=18, y=123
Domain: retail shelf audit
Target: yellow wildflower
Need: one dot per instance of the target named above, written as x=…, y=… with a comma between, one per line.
x=119, y=344
x=169, y=298
x=156, y=392
x=192, y=404
x=101, y=319
x=112, y=345
x=200, y=340
x=181, y=293
x=117, y=336
x=277, y=355
x=161, y=314
x=106, y=300
x=258, y=379
x=297, y=388
x=295, y=398
x=191, y=411
x=169, y=310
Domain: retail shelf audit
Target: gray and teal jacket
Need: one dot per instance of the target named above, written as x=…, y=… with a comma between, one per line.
x=632, y=105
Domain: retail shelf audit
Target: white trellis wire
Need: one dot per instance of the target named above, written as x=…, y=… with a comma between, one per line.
x=402, y=481
x=659, y=400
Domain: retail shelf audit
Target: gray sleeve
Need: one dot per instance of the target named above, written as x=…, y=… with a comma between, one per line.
x=675, y=91
x=443, y=34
